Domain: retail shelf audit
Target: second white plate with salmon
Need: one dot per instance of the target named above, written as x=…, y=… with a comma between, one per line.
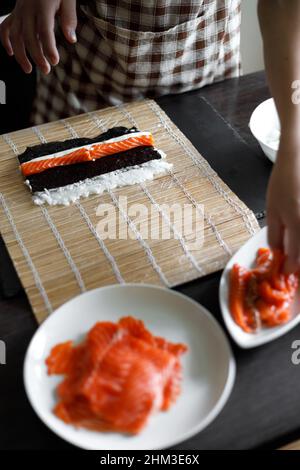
x=245, y=257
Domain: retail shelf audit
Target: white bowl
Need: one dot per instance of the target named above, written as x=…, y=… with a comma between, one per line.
x=245, y=257
x=265, y=126
x=208, y=366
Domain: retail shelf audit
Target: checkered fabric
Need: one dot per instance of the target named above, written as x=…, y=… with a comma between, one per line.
x=133, y=49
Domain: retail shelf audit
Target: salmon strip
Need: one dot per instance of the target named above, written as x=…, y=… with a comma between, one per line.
x=78, y=156
x=272, y=315
x=272, y=296
x=83, y=154
x=103, y=149
x=237, y=292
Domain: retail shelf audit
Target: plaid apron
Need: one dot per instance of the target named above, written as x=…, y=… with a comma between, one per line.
x=133, y=49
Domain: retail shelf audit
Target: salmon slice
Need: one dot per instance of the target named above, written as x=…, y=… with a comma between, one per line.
x=173, y=387
x=117, y=377
x=103, y=149
x=79, y=368
x=78, y=411
x=84, y=154
x=100, y=338
x=174, y=348
x=59, y=360
x=78, y=156
x=129, y=384
x=136, y=328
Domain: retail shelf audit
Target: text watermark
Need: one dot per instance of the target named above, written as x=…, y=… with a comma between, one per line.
x=296, y=353
x=2, y=353
x=153, y=222
x=2, y=92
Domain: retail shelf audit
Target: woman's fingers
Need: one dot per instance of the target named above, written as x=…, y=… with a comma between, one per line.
x=16, y=39
x=33, y=45
x=45, y=31
x=283, y=205
x=292, y=247
x=68, y=19
x=275, y=230
x=29, y=32
x=4, y=35
x=286, y=238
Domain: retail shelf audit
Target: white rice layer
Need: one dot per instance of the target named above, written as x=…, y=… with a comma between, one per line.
x=128, y=176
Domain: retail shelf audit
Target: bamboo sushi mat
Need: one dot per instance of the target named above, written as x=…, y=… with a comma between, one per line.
x=57, y=251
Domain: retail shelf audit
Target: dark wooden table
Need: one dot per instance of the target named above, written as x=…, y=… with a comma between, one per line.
x=264, y=408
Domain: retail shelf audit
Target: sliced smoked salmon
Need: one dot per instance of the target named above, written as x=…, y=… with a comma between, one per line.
x=117, y=377
x=237, y=294
x=88, y=153
x=262, y=295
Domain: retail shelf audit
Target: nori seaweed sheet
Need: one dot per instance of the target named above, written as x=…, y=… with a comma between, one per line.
x=49, y=148
x=62, y=175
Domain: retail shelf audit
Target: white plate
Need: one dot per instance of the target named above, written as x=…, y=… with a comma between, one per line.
x=265, y=126
x=245, y=257
x=208, y=367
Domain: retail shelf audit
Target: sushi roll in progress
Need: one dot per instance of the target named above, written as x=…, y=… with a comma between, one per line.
x=62, y=172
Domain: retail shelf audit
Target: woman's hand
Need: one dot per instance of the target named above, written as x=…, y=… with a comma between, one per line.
x=279, y=22
x=29, y=31
x=283, y=203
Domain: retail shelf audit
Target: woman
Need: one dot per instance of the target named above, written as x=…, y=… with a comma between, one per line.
x=104, y=53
